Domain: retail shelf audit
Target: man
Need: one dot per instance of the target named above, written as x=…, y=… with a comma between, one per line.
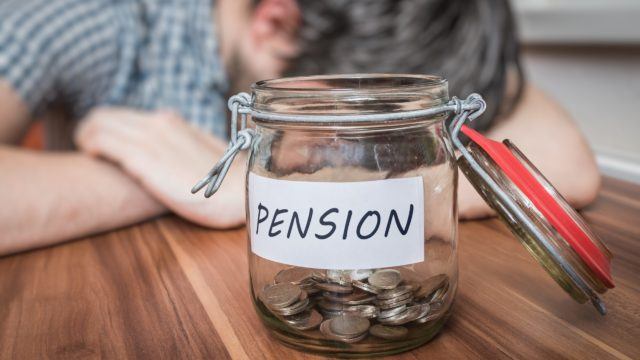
x=147, y=82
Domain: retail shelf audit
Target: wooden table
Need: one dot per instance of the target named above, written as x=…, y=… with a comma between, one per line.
x=169, y=289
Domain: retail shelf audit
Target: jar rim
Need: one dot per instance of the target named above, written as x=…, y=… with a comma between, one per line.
x=388, y=81
x=323, y=97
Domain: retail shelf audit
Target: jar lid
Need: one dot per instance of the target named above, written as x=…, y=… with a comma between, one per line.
x=553, y=232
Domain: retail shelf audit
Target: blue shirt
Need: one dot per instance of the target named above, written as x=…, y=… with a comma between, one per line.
x=146, y=54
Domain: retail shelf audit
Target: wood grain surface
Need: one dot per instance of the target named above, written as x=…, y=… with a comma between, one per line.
x=167, y=289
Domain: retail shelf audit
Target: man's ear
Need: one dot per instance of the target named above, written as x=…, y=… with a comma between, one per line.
x=275, y=24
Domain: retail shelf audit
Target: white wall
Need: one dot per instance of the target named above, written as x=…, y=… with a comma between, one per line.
x=600, y=87
x=586, y=53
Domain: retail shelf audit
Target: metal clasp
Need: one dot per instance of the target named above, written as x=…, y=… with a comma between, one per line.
x=470, y=108
x=240, y=140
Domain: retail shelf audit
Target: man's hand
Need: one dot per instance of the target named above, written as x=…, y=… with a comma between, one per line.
x=167, y=156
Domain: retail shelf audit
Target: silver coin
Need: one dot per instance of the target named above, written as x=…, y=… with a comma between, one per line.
x=366, y=287
x=395, y=320
x=355, y=298
x=309, y=286
x=440, y=294
x=325, y=329
x=330, y=305
x=389, y=332
x=349, y=325
x=392, y=312
x=425, y=319
x=330, y=314
x=412, y=313
x=346, y=276
x=365, y=311
x=385, y=279
x=335, y=288
x=293, y=275
x=296, y=308
x=395, y=293
x=395, y=304
x=304, y=321
x=280, y=295
x=424, y=310
x=391, y=303
x=360, y=274
x=436, y=310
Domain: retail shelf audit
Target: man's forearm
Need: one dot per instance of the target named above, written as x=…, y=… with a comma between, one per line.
x=550, y=139
x=51, y=197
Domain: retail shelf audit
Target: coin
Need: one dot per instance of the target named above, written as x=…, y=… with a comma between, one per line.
x=392, y=312
x=385, y=279
x=360, y=274
x=330, y=305
x=412, y=313
x=330, y=314
x=280, y=295
x=425, y=319
x=348, y=305
x=392, y=303
x=430, y=285
x=325, y=329
x=394, y=293
x=355, y=298
x=440, y=293
x=336, y=288
x=435, y=311
x=304, y=321
x=436, y=306
x=366, y=287
x=309, y=285
x=346, y=276
x=293, y=275
x=365, y=311
x=388, y=332
x=348, y=325
x=296, y=308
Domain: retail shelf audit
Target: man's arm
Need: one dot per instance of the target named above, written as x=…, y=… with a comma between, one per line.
x=50, y=197
x=548, y=137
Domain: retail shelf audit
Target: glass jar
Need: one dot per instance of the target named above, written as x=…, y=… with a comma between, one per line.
x=358, y=219
x=351, y=209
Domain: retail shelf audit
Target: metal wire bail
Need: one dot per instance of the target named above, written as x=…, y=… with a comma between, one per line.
x=472, y=107
x=240, y=140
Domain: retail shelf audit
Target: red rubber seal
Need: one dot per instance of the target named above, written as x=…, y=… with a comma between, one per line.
x=546, y=204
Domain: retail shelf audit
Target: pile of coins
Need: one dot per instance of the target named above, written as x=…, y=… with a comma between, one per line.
x=348, y=305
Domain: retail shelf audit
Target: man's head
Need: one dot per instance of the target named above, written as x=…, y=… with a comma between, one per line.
x=471, y=43
x=259, y=39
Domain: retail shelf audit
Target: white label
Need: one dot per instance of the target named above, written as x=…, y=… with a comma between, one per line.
x=341, y=225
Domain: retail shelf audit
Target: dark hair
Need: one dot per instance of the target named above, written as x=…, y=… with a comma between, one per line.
x=472, y=43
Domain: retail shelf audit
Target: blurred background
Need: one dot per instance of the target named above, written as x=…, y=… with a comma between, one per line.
x=586, y=53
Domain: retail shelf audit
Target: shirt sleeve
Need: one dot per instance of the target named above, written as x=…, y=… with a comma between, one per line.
x=44, y=42
x=25, y=49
